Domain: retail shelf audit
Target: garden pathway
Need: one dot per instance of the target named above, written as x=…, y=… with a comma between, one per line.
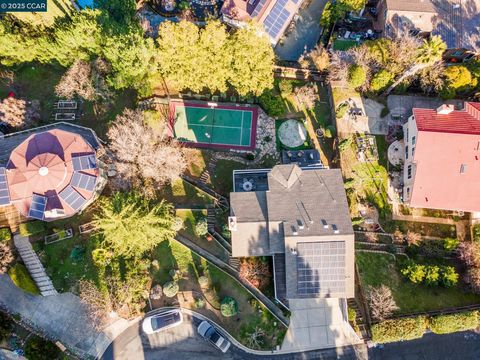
x=270, y=305
x=34, y=266
x=60, y=318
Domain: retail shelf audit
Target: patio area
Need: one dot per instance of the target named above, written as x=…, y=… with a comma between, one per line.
x=395, y=152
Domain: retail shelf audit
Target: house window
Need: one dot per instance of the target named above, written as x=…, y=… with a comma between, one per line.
x=406, y=152
x=407, y=134
x=409, y=172
x=408, y=192
x=413, y=151
x=413, y=140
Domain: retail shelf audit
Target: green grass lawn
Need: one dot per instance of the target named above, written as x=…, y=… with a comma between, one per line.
x=21, y=278
x=343, y=45
x=222, y=178
x=425, y=229
x=173, y=255
x=190, y=218
x=377, y=269
x=64, y=270
x=183, y=193
x=55, y=9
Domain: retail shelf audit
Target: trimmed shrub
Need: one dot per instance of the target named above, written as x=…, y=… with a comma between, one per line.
x=451, y=244
x=399, y=329
x=272, y=104
x=5, y=234
x=448, y=276
x=31, y=228
x=40, y=349
x=201, y=227
x=199, y=303
x=203, y=281
x=341, y=110
x=229, y=306
x=285, y=86
x=356, y=76
x=170, y=289
x=381, y=80
x=445, y=324
x=21, y=278
x=101, y=257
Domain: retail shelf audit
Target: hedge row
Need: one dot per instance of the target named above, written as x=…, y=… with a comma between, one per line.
x=399, y=329
x=414, y=327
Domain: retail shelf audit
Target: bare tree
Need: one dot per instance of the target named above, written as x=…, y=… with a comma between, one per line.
x=318, y=58
x=432, y=78
x=7, y=77
x=6, y=257
x=255, y=338
x=382, y=304
x=19, y=113
x=472, y=277
x=98, y=305
x=398, y=236
x=413, y=238
x=469, y=253
x=338, y=71
x=371, y=236
x=144, y=159
x=306, y=95
x=256, y=271
x=77, y=81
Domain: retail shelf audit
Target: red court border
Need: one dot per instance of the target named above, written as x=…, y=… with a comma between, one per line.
x=204, y=104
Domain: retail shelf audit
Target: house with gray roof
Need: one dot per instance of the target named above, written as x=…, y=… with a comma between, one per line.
x=299, y=216
x=302, y=220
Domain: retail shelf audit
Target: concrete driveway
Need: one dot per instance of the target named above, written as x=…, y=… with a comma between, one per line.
x=317, y=324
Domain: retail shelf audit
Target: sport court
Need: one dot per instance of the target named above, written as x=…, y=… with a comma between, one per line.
x=214, y=125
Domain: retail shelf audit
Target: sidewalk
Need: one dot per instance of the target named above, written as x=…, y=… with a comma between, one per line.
x=60, y=318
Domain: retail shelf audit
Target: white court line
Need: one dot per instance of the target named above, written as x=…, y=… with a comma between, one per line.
x=241, y=128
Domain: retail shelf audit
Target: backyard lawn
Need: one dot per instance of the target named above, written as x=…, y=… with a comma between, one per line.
x=343, y=45
x=182, y=193
x=173, y=255
x=377, y=269
x=190, y=218
x=222, y=179
x=425, y=229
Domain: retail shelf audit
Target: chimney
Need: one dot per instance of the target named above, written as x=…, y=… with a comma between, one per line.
x=445, y=109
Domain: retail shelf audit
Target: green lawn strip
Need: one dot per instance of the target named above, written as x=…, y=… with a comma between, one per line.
x=222, y=178
x=198, y=161
x=182, y=193
x=425, y=229
x=343, y=45
x=173, y=255
x=378, y=269
x=21, y=278
x=190, y=218
x=342, y=94
x=64, y=270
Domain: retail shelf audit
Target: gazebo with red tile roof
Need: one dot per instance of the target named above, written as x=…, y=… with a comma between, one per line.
x=51, y=175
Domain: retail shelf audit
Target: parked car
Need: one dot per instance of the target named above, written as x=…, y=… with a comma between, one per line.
x=162, y=321
x=209, y=333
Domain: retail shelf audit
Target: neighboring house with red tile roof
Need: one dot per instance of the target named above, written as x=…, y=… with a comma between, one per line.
x=274, y=15
x=442, y=158
x=50, y=172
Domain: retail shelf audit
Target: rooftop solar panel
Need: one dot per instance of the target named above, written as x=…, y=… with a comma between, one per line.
x=37, y=207
x=72, y=197
x=84, y=162
x=83, y=181
x=276, y=19
x=258, y=8
x=4, y=194
x=320, y=268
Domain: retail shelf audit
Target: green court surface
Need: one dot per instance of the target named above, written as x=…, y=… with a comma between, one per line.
x=213, y=125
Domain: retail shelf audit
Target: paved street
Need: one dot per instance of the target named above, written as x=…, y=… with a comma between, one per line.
x=183, y=342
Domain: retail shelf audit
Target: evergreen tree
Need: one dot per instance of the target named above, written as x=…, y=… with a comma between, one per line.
x=130, y=225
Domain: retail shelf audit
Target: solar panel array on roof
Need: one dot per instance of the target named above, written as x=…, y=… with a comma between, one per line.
x=83, y=181
x=84, y=162
x=277, y=18
x=37, y=207
x=72, y=197
x=258, y=8
x=320, y=268
x=4, y=194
